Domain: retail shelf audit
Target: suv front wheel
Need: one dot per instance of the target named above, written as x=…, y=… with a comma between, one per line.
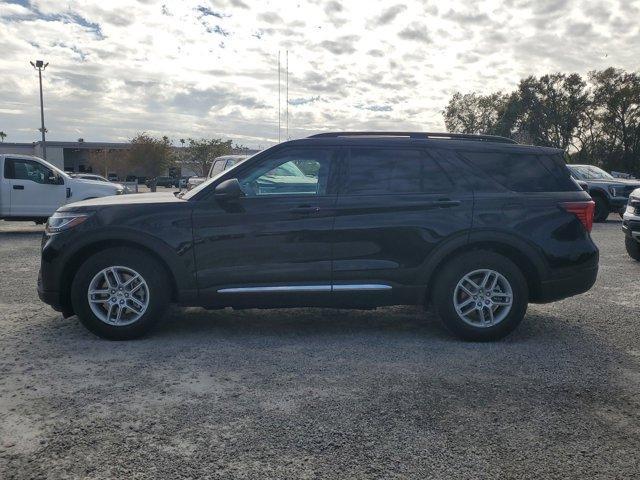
x=120, y=293
x=481, y=295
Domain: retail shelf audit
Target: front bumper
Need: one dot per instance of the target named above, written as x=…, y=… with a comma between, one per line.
x=50, y=297
x=631, y=225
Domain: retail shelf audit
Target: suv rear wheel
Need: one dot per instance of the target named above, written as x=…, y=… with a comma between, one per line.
x=481, y=296
x=120, y=293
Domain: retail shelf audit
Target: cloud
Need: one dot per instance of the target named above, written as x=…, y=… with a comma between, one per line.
x=466, y=18
x=389, y=14
x=303, y=101
x=342, y=45
x=376, y=108
x=416, y=32
x=270, y=17
x=209, y=67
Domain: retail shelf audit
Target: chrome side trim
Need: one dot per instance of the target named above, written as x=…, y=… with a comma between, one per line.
x=361, y=287
x=283, y=288
x=307, y=288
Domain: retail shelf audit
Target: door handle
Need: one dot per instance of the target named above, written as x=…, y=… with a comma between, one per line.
x=304, y=210
x=18, y=187
x=447, y=203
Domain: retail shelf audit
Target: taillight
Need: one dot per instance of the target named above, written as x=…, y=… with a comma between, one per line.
x=583, y=210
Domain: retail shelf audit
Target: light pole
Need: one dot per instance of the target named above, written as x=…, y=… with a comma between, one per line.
x=40, y=65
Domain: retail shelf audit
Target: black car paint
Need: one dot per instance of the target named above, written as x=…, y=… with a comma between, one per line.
x=208, y=244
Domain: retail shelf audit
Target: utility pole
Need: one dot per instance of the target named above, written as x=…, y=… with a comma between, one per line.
x=40, y=65
x=287, y=96
x=278, y=96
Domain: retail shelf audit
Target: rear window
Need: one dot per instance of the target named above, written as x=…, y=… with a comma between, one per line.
x=522, y=172
x=375, y=171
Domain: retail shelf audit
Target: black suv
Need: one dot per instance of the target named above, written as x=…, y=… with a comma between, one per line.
x=478, y=226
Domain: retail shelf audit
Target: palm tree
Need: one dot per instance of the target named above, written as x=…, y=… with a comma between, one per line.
x=2, y=136
x=182, y=141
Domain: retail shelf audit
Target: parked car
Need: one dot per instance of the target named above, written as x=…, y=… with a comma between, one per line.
x=610, y=194
x=219, y=164
x=89, y=176
x=477, y=226
x=32, y=188
x=131, y=178
x=166, y=182
x=631, y=225
x=112, y=177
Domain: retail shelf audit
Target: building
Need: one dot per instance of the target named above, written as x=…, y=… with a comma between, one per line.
x=68, y=156
x=74, y=156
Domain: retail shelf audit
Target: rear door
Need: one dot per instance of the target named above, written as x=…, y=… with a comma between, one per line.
x=33, y=193
x=395, y=206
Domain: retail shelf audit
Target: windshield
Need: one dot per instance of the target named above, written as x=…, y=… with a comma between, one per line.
x=194, y=191
x=589, y=172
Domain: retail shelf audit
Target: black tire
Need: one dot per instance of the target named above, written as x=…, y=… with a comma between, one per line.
x=453, y=271
x=602, y=209
x=142, y=263
x=633, y=248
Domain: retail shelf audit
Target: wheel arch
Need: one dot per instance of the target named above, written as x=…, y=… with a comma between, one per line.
x=519, y=251
x=86, y=251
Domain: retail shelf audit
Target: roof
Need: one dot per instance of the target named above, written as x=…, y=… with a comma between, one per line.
x=439, y=140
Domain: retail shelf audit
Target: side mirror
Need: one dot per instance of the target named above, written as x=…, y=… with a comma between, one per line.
x=228, y=190
x=55, y=180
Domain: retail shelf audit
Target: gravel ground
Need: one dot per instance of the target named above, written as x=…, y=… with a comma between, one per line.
x=311, y=393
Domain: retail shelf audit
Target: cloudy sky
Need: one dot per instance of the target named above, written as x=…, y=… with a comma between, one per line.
x=207, y=68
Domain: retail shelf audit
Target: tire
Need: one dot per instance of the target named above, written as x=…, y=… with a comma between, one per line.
x=633, y=248
x=125, y=319
x=447, y=291
x=602, y=209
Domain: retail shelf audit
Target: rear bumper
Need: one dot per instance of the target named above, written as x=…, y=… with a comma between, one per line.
x=559, y=288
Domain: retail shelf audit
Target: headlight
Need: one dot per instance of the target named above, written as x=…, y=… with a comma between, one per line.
x=120, y=191
x=61, y=221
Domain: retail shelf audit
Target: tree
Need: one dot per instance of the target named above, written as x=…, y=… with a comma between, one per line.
x=149, y=156
x=472, y=113
x=550, y=108
x=200, y=153
x=595, y=121
x=2, y=136
x=616, y=105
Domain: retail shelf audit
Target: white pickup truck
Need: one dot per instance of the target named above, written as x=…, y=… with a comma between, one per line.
x=219, y=164
x=32, y=189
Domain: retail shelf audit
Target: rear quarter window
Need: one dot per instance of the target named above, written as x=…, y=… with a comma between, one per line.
x=522, y=172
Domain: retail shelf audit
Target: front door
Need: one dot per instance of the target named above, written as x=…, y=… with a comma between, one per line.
x=35, y=189
x=273, y=245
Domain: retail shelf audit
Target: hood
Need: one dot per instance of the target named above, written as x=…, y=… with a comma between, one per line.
x=87, y=181
x=121, y=200
x=616, y=181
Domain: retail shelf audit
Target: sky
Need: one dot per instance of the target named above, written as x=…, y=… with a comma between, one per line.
x=209, y=68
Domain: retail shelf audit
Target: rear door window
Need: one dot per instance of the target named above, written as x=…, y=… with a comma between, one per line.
x=387, y=171
x=521, y=172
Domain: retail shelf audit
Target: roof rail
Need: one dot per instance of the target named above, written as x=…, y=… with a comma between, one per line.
x=421, y=135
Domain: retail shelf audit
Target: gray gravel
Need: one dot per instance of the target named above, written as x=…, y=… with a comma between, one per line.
x=311, y=393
